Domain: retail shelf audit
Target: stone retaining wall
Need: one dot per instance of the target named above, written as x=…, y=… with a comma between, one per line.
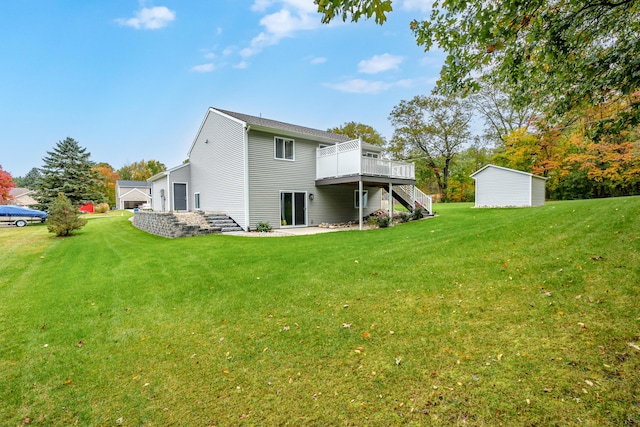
x=166, y=224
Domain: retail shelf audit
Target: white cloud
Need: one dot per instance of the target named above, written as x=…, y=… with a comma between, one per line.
x=367, y=86
x=318, y=60
x=149, y=18
x=421, y=5
x=380, y=63
x=261, y=5
x=241, y=65
x=294, y=16
x=204, y=68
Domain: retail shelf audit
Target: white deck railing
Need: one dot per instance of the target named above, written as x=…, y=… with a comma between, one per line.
x=415, y=196
x=346, y=159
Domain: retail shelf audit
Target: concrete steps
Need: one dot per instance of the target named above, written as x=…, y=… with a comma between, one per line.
x=221, y=222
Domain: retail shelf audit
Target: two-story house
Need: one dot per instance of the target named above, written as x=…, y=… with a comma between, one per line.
x=260, y=170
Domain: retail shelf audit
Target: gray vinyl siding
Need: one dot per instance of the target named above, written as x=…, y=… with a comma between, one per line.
x=499, y=187
x=269, y=176
x=336, y=203
x=537, y=191
x=217, y=167
x=181, y=176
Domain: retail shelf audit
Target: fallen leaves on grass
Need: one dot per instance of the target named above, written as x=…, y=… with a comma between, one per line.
x=366, y=335
x=80, y=343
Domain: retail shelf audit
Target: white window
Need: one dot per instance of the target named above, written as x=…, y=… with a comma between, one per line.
x=365, y=196
x=370, y=154
x=196, y=200
x=284, y=148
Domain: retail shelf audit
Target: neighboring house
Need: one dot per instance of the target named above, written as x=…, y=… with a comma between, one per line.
x=260, y=170
x=497, y=186
x=23, y=197
x=132, y=194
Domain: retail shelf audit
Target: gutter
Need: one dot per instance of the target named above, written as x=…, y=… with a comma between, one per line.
x=245, y=148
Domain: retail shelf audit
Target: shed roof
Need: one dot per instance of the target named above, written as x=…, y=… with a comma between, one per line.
x=505, y=169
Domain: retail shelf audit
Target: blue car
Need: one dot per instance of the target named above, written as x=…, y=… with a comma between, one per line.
x=19, y=216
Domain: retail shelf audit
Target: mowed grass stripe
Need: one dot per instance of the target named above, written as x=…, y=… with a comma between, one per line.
x=519, y=316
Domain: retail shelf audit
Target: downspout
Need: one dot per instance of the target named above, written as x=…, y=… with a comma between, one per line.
x=169, y=191
x=245, y=148
x=360, y=189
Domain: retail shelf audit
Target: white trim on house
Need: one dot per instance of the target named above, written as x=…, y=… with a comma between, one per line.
x=167, y=172
x=146, y=196
x=138, y=190
x=245, y=154
x=206, y=116
x=293, y=211
x=186, y=194
x=284, y=140
x=356, y=198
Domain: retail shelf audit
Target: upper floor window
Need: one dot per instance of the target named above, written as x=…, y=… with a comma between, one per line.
x=284, y=148
x=370, y=154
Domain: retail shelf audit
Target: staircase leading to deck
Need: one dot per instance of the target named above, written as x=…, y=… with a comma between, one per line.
x=411, y=197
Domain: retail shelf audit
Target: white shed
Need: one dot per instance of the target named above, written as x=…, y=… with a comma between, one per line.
x=503, y=187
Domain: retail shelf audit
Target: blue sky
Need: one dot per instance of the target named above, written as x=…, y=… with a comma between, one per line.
x=132, y=80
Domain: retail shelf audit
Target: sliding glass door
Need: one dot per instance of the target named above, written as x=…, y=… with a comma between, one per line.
x=293, y=208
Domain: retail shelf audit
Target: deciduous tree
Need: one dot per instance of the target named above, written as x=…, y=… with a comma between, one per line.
x=431, y=128
x=141, y=171
x=358, y=130
x=6, y=184
x=107, y=178
x=502, y=115
x=558, y=56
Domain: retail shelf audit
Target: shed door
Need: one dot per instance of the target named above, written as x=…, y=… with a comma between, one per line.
x=179, y=197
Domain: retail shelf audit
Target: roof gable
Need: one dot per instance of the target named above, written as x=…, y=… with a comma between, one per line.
x=132, y=184
x=473, y=175
x=277, y=126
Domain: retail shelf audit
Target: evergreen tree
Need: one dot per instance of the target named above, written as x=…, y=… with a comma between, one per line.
x=63, y=217
x=30, y=180
x=68, y=170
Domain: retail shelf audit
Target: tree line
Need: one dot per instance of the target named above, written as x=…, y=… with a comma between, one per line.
x=557, y=84
x=68, y=169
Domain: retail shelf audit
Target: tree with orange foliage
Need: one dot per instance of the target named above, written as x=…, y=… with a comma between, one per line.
x=6, y=184
x=107, y=178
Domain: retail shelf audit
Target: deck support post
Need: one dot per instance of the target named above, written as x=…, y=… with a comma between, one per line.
x=360, y=191
x=391, y=201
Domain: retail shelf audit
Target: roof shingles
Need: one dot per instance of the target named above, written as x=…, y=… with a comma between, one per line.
x=274, y=124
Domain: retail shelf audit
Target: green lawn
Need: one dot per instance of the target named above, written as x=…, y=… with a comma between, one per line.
x=518, y=317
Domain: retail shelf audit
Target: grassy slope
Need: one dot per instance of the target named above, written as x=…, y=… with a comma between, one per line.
x=519, y=316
